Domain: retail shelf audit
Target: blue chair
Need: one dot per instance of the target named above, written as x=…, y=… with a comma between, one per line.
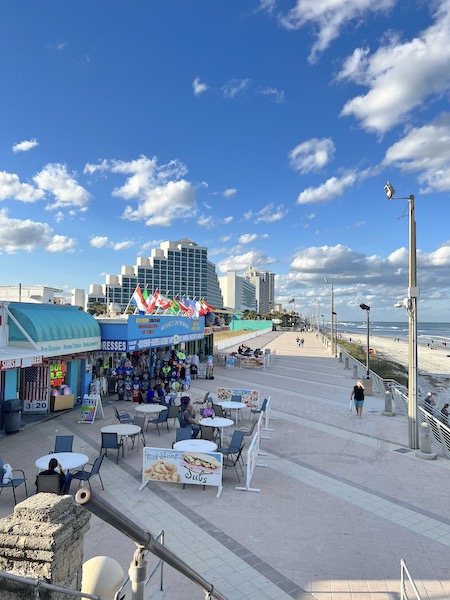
x=183, y=433
x=233, y=460
x=257, y=411
x=110, y=442
x=50, y=483
x=121, y=416
x=87, y=475
x=162, y=418
x=235, y=445
x=63, y=443
x=13, y=482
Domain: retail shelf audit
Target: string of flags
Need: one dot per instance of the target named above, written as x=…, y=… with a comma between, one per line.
x=146, y=303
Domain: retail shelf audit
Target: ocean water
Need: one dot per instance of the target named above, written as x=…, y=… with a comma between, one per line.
x=427, y=333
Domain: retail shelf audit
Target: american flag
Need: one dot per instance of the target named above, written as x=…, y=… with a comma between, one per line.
x=36, y=383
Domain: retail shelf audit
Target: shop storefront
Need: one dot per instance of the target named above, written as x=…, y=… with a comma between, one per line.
x=43, y=352
x=133, y=346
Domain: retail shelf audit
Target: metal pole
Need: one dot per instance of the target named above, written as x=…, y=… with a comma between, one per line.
x=368, y=346
x=412, y=330
x=332, y=322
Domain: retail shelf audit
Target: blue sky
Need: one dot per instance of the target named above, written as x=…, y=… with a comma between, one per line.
x=263, y=130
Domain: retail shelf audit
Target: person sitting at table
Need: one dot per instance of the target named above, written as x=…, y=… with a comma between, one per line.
x=151, y=397
x=54, y=468
x=208, y=411
x=187, y=418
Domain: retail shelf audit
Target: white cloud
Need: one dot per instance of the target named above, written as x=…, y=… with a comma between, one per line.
x=25, y=146
x=62, y=243
x=311, y=155
x=99, y=241
x=329, y=17
x=227, y=220
x=123, y=245
x=24, y=235
x=400, y=76
x=330, y=189
x=425, y=150
x=228, y=193
x=247, y=238
x=55, y=179
x=11, y=187
x=210, y=221
x=199, y=87
x=225, y=238
x=268, y=214
x=241, y=262
x=236, y=87
x=162, y=195
x=274, y=93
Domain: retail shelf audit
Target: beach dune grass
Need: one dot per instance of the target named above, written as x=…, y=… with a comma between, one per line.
x=387, y=369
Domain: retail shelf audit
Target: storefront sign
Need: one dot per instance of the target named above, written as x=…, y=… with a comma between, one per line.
x=17, y=363
x=65, y=347
x=35, y=406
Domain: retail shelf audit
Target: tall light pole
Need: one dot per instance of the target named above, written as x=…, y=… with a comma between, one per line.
x=413, y=294
x=318, y=315
x=332, y=328
x=367, y=308
x=334, y=334
x=323, y=323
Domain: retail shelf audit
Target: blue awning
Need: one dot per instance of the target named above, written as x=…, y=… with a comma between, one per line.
x=45, y=323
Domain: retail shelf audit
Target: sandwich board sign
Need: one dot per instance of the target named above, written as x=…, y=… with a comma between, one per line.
x=89, y=406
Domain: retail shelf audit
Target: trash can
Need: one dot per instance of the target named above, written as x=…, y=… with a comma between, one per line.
x=12, y=415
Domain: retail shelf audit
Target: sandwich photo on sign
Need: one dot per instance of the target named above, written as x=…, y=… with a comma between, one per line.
x=197, y=461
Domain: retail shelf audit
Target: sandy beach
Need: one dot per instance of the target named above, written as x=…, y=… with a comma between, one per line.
x=433, y=364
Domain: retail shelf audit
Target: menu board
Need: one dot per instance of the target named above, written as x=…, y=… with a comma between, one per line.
x=88, y=408
x=177, y=466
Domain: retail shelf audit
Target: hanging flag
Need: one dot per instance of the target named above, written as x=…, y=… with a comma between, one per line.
x=184, y=305
x=138, y=299
x=206, y=308
x=291, y=301
x=175, y=307
x=151, y=301
x=163, y=302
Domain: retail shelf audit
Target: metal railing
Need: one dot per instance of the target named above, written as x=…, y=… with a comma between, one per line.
x=144, y=542
x=405, y=578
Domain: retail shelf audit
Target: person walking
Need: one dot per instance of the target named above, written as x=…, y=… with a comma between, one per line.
x=358, y=396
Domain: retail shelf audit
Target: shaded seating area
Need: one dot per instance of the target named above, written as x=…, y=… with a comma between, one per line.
x=12, y=481
x=110, y=441
x=87, y=475
x=63, y=443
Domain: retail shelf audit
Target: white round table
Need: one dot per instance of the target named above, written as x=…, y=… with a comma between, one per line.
x=229, y=405
x=150, y=409
x=195, y=446
x=124, y=430
x=67, y=460
x=219, y=422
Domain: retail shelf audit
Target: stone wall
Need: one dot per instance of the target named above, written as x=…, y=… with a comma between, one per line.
x=43, y=539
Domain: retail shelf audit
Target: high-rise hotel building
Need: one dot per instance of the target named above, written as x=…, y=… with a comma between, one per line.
x=179, y=268
x=264, y=282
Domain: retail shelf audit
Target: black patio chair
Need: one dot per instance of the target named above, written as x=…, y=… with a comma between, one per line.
x=111, y=442
x=50, y=483
x=121, y=416
x=235, y=445
x=161, y=418
x=63, y=443
x=233, y=460
x=257, y=411
x=183, y=433
x=12, y=482
x=139, y=420
x=87, y=475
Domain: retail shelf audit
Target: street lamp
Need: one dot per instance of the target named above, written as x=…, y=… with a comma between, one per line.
x=333, y=344
x=323, y=323
x=411, y=301
x=367, y=308
x=334, y=334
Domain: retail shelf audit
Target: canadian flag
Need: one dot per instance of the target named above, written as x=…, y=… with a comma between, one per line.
x=163, y=302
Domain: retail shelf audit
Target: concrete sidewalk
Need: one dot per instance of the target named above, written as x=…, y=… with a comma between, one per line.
x=342, y=499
